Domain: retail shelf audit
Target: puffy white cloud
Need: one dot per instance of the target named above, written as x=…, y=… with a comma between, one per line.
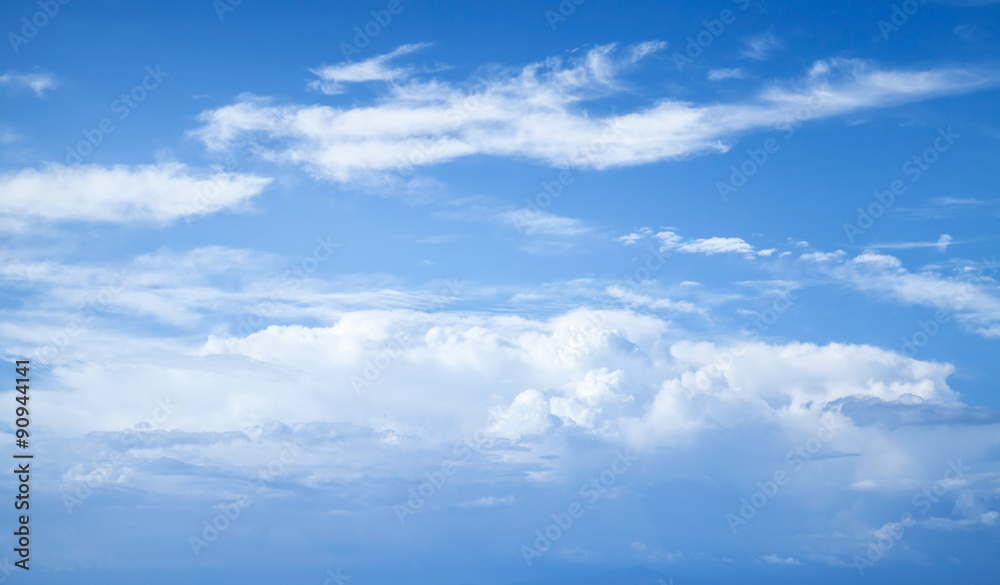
x=379, y=396
x=153, y=193
x=670, y=240
x=585, y=403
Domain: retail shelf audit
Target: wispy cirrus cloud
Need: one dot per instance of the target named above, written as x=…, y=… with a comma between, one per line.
x=761, y=46
x=333, y=77
x=733, y=73
x=539, y=113
x=941, y=245
x=970, y=295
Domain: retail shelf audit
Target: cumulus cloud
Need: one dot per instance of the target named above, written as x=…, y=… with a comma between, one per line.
x=539, y=113
x=378, y=397
x=158, y=193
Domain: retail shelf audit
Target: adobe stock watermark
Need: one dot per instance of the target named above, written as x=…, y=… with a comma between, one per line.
x=335, y=578
x=224, y=7
x=129, y=438
x=885, y=538
x=229, y=512
x=712, y=30
x=914, y=168
x=363, y=35
x=795, y=461
x=31, y=26
x=900, y=16
x=123, y=105
x=592, y=491
x=563, y=11
x=382, y=361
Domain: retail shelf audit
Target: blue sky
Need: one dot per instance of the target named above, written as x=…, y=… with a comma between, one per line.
x=501, y=293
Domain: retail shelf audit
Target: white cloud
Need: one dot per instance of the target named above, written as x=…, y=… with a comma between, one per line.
x=543, y=222
x=488, y=502
x=634, y=237
x=550, y=393
x=7, y=135
x=333, y=77
x=36, y=82
x=539, y=113
x=986, y=519
x=588, y=401
x=527, y=414
x=636, y=299
x=734, y=73
x=968, y=297
x=157, y=193
x=941, y=245
x=774, y=559
x=761, y=46
x=708, y=246
x=824, y=256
